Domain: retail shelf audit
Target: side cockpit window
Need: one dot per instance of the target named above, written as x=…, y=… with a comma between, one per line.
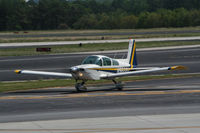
x=106, y=61
x=99, y=62
x=115, y=63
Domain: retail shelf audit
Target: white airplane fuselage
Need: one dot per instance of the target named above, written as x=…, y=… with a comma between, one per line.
x=93, y=71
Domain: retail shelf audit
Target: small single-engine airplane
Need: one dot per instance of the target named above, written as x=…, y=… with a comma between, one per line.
x=97, y=67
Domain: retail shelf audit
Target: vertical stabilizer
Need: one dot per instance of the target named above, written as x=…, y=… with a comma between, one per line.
x=131, y=56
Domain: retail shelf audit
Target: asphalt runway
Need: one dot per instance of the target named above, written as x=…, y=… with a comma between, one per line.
x=167, y=105
x=150, y=97
x=188, y=57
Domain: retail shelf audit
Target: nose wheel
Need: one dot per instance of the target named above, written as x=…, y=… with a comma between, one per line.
x=118, y=85
x=80, y=87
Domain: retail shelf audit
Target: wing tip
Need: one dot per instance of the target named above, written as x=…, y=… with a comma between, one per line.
x=178, y=68
x=17, y=71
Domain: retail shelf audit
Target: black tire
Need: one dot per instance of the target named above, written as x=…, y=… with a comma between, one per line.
x=77, y=86
x=80, y=88
x=119, y=86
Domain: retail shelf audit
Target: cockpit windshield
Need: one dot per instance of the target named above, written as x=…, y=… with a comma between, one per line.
x=92, y=60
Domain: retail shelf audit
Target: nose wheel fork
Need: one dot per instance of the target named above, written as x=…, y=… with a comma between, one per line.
x=119, y=86
x=80, y=87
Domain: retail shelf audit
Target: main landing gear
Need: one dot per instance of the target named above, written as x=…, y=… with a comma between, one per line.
x=118, y=85
x=80, y=87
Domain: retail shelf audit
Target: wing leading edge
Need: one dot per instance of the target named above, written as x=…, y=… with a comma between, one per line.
x=142, y=71
x=66, y=75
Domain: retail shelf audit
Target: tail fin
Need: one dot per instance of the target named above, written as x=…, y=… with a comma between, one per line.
x=131, y=57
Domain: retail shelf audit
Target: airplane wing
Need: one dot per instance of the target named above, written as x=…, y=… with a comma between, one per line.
x=107, y=76
x=66, y=75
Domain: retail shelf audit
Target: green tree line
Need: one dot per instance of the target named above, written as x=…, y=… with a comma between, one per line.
x=97, y=14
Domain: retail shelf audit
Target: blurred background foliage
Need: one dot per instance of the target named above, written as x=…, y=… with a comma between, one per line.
x=97, y=14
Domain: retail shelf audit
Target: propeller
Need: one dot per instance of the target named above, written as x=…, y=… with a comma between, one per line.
x=76, y=69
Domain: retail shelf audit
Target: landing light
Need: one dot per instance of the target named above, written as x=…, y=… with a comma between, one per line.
x=80, y=74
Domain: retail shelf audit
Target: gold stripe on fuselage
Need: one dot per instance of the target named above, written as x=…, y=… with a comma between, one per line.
x=113, y=69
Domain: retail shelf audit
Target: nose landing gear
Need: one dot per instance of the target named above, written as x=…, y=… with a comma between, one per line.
x=80, y=87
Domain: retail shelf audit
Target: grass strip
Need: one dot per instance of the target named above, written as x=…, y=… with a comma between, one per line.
x=53, y=35
x=28, y=51
x=78, y=38
x=36, y=32
x=38, y=84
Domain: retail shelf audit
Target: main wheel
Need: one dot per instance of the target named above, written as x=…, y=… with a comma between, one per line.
x=119, y=86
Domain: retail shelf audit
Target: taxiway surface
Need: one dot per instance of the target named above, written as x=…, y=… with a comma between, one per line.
x=149, y=97
x=165, y=105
